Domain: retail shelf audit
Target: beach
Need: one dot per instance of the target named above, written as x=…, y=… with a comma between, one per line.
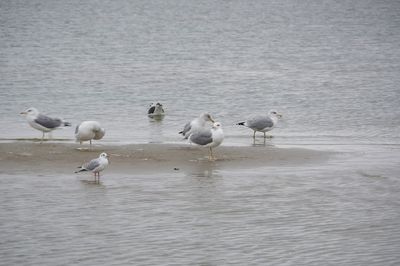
x=50, y=157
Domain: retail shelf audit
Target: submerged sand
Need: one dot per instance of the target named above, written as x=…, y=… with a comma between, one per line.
x=147, y=158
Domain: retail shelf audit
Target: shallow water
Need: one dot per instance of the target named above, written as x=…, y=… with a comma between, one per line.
x=344, y=211
x=331, y=68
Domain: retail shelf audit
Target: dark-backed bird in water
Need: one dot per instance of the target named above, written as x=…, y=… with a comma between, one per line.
x=156, y=110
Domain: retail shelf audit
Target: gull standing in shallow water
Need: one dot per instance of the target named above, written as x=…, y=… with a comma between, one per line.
x=88, y=130
x=95, y=166
x=208, y=138
x=42, y=122
x=196, y=124
x=262, y=123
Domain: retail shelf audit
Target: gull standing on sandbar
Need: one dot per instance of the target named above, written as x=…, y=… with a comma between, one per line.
x=262, y=123
x=42, y=122
x=88, y=130
x=95, y=166
x=196, y=124
x=208, y=138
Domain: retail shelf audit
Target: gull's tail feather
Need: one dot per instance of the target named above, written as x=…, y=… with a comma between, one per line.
x=81, y=170
x=66, y=124
x=241, y=123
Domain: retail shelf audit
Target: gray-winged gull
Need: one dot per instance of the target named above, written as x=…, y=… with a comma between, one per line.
x=196, y=124
x=95, y=166
x=88, y=130
x=42, y=122
x=262, y=123
x=208, y=138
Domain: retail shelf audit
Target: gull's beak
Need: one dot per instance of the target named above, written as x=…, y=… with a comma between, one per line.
x=23, y=113
x=212, y=120
x=279, y=115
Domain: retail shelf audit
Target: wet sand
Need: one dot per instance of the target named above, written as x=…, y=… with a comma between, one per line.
x=147, y=158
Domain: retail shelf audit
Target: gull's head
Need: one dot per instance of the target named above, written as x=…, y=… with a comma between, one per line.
x=30, y=112
x=207, y=117
x=274, y=113
x=216, y=125
x=103, y=155
x=159, y=107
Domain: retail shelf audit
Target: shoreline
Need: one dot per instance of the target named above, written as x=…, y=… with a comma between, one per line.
x=56, y=157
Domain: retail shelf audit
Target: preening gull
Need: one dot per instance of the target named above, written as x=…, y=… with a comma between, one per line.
x=156, y=110
x=208, y=138
x=95, y=166
x=196, y=124
x=262, y=123
x=42, y=122
x=88, y=130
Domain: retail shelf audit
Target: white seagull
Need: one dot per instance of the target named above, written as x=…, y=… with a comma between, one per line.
x=42, y=122
x=156, y=110
x=88, y=130
x=208, y=138
x=262, y=123
x=196, y=124
x=95, y=166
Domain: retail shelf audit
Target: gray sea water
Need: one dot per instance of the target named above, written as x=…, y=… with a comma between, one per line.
x=332, y=68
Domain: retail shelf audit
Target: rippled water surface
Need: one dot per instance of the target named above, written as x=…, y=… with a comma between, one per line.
x=332, y=68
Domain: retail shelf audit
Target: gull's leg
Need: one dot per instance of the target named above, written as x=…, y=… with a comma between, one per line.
x=211, y=157
x=265, y=135
x=90, y=147
x=42, y=137
x=254, y=134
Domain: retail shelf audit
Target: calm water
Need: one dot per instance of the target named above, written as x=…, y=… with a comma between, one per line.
x=331, y=67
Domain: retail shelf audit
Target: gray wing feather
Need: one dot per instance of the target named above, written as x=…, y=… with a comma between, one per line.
x=202, y=137
x=48, y=122
x=260, y=122
x=93, y=164
x=186, y=128
x=77, y=128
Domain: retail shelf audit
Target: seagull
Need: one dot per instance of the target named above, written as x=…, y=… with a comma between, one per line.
x=96, y=166
x=88, y=130
x=208, y=138
x=156, y=110
x=196, y=124
x=262, y=123
x=42, y=122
